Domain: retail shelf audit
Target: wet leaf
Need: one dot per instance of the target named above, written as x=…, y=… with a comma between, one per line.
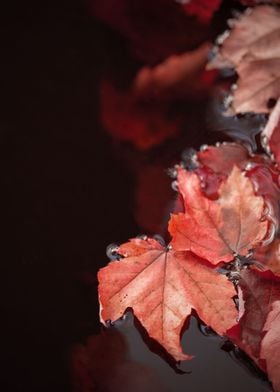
x=259, y=292
x=126, y=118
x=216, y=162
x=176, y=77
x=223, y=157
x=269, y=257
x=271, y=133
x=163, y=287
x=252, y=47
x=219, y=229
x=270, y=347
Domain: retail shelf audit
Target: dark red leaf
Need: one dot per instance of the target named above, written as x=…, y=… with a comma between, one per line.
x=259, y=292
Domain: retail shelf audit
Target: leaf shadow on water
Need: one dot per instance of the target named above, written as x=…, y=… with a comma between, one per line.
x=118, y=359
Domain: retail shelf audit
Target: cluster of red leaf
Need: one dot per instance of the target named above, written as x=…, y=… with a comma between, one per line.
x=225, y=217
x=223, y=258
x=252, y=48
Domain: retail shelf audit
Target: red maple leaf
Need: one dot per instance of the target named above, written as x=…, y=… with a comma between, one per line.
x=223, y=157
x=217, y=230
x=216, y=163
x=162, y=287
x=271, y=133
x=259, y=292
x=269, y=257
x=270, y=347
x=202, y=9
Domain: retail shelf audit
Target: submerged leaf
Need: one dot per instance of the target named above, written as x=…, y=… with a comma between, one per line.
x=144, y=123
x=163, y=287
x=175, y=77
x=202, y=9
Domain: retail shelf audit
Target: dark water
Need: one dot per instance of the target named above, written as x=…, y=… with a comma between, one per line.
x=66, y=192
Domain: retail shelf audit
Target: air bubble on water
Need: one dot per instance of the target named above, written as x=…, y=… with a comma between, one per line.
x=228, y=101
x=159, y=239
x=213, y=53
x=175, y=186
x=234, y=87
x=172, y=172
x=222, y=37
x=231, y=23
x=236, y=14
x=143, y=237
x=265, y=145
x=112, y=252
x=270, y=236
x=248, y=11
x=109, y=323
x=189, y=158
x=204, y=147
x=249, y=166
x=255, y=185
x=218, y=144
x=169, y=247
x=120, y=322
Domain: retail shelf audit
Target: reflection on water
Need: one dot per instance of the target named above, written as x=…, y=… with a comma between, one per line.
x=119, y=360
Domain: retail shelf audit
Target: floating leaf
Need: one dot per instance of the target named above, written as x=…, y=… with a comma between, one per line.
x=163, y=287
x=259, y=291
x=219, y=229
x=269, y=257
x=252, y=47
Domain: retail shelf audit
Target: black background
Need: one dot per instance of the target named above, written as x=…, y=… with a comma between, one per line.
x=64, y=196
